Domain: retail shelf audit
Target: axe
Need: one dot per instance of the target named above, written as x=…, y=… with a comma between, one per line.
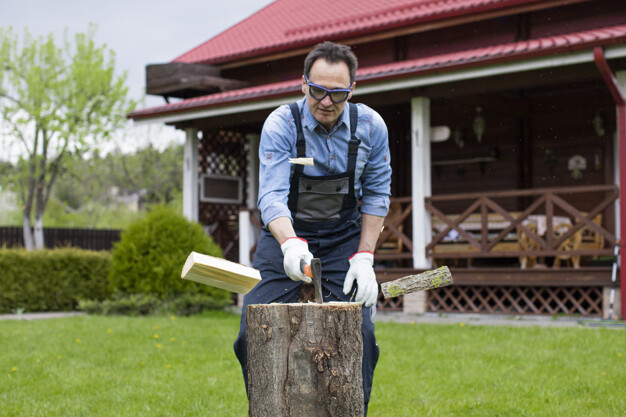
x=314, y=271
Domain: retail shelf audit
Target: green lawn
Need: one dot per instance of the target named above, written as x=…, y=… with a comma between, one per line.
x=179, y=366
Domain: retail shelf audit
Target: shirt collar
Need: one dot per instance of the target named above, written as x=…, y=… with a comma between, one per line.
x=311, y=123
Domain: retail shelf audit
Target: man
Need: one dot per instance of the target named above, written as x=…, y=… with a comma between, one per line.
x=312, y=211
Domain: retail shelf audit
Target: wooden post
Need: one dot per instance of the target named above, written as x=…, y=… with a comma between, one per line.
x=421, y=181
x=190, y=175
x=305, y=359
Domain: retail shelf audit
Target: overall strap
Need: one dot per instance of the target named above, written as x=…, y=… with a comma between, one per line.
x=353, y=145
x=300, y=143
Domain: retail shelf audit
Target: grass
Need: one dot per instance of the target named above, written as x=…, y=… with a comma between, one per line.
x=185, y=366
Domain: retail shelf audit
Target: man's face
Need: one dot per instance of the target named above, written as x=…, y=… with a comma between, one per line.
x=330, y=76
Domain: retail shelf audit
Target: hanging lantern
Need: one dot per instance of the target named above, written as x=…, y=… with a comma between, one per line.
x=479, y=124
x=598, y=125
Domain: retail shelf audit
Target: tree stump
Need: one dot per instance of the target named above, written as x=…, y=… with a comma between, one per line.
x=305, y=359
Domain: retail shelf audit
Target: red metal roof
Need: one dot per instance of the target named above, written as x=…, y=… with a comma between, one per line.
x=285, y=24
x=493, y=54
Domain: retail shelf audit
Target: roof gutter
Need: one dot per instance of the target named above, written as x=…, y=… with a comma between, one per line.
x=365, y=87
x=620, y=102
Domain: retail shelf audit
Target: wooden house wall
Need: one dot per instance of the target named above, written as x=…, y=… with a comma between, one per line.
x=561, y=127
x=463, y=37
x=577, y=17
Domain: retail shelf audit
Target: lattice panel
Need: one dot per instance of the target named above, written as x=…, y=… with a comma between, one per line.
x=307, y=293
x=586, y=301
x=223, y=152
x=389, y=304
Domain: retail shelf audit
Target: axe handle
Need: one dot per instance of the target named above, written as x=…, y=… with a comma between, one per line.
x=307, y=271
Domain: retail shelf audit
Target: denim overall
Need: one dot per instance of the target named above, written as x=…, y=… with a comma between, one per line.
x=325, y=213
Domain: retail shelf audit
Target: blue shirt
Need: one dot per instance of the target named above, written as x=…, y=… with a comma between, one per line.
x=372, y=181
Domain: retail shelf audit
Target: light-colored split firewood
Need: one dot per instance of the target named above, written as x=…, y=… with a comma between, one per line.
x=220, y=273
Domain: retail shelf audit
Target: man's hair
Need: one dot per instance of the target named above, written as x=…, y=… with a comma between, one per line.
x=332, y=53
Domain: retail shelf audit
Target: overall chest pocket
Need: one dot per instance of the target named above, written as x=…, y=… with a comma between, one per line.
x=320, y=199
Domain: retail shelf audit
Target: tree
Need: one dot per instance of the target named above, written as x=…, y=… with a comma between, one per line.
x=154, y=176
x=56, y=102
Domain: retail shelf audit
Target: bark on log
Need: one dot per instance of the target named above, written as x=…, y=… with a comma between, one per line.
x=304, y=359
x=436, y=278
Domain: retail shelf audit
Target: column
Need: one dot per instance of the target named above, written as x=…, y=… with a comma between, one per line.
x=420, y=179
x=190, y=175
x=415, y=303
x=248, y=234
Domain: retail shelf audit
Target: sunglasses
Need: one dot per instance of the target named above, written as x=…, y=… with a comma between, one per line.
x=318, y=92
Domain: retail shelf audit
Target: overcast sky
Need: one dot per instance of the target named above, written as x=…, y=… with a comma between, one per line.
x=140, y=32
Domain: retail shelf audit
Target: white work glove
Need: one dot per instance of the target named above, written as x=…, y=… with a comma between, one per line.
x=362, y=269
x=294, y=250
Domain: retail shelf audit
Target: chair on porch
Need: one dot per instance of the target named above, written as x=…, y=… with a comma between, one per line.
x=526, y=244
x=570, y=244
x=592, y=239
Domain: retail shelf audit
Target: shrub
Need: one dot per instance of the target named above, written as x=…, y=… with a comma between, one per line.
x=152, y=251
x=129, y=305
x=146, y=304
x=51, y=279
x=194, y=303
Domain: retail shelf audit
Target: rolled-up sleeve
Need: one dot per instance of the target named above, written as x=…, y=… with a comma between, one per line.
x=376, y=177
x=277, y=139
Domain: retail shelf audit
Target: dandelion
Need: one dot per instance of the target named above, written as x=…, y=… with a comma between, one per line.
x=77, y=340
x=59, y=334
x=155, y=327
x=156, y=336
x=109, y=331
x=123, y=359
x=619, y=354
x=173, y=339
x=184, y=342
x=461, y=324
x=168, y=366
x=159, y=346
x=14, y=369
x=173, y=317
x=59, y=357
x=142, y=363
x=412, y=323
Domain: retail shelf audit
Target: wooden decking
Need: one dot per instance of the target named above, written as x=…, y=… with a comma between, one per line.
x=512, y=291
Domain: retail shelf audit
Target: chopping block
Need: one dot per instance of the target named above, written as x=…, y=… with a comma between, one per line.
x=305, y=359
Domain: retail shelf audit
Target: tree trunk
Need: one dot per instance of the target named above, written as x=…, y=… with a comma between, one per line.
x=27, y=232
x=305, y=359
x=38, y=232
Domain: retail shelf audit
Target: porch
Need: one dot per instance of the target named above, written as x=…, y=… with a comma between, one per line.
x=535, y=251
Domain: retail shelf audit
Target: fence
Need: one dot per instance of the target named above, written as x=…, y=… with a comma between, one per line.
x=92, y=239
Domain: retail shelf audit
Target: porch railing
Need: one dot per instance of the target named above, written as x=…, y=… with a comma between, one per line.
x=505, y=233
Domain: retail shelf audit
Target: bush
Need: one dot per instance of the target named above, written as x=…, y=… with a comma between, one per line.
x=129, y=305
x=184, y=304
x=51, y=279
x=152, y=251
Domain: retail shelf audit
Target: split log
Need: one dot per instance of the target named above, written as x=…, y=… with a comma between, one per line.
x=305, y=359
x=436, y=278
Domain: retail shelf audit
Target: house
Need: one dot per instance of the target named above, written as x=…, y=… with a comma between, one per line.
x=507, y=126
